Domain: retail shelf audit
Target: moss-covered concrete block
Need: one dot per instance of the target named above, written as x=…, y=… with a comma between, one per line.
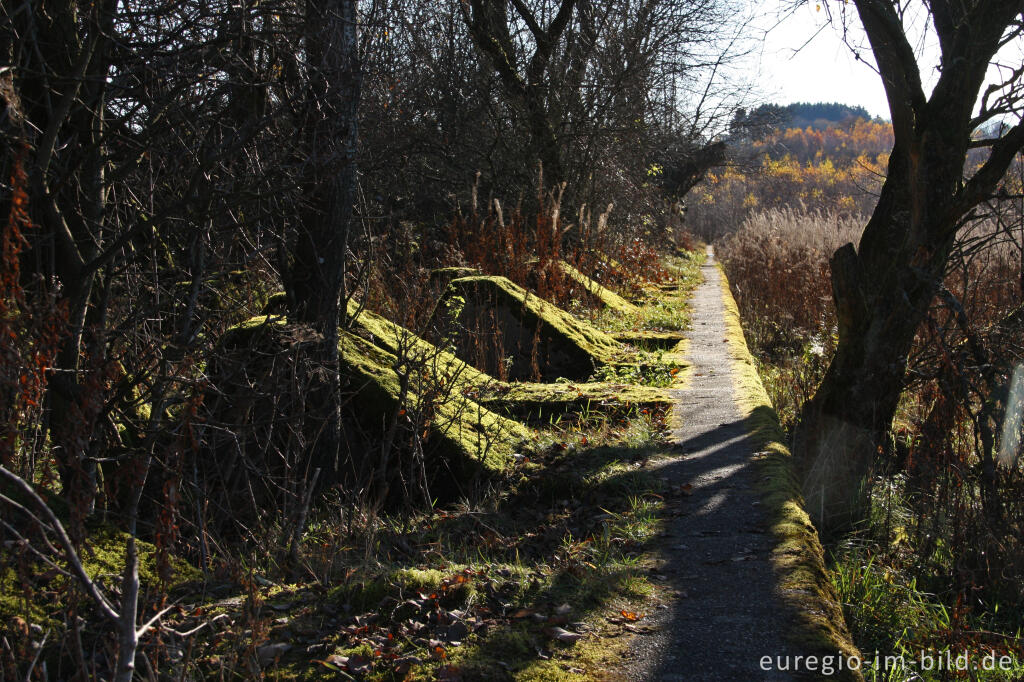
x=522, y=400
x=603, y=295
x=461, y=431
x=399, y=341
x=442, y=277
x=254, y=380
x=537, y=402
x=506, y=331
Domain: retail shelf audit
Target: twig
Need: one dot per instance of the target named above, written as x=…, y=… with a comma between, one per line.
x=65, y=542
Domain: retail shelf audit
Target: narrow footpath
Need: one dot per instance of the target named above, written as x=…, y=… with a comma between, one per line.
x=725, y=615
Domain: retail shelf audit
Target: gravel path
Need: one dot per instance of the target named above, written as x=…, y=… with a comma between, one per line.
x=725, y=615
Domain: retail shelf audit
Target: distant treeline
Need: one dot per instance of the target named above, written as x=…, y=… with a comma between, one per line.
x=818, y=115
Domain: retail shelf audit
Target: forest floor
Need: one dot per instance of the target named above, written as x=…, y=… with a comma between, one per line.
x=625, y=543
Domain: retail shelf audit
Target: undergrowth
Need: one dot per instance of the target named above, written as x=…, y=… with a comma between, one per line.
x=649, y=369
x=541, y=575
x=551, y=583
x=930, y=581
x=662, y=305
x=908, y=617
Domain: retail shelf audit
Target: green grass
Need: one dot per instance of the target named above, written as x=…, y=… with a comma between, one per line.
x=904, y=605
x=662, y=308
x=904, y=630
x=650, y=368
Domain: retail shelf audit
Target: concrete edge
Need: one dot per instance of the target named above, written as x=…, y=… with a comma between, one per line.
x=798, y=558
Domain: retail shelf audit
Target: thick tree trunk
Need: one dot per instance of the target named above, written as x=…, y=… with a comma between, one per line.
x=884, y=288
x=882, y=293
x=544, y=140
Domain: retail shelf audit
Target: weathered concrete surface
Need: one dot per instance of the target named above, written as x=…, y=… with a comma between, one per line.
x=725, y=614
x=509, y=333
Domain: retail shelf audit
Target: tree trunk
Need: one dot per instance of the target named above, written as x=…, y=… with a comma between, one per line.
x=883, y=289
x=315, y=276
x=529, y=90
x=882, y=293
x=66, y=108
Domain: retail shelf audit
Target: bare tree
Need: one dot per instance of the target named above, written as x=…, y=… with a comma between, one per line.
x=607, y=84
x=317, y=250
x=883, y=288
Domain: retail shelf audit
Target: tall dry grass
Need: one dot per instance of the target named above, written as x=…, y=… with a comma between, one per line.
x=777, y=263
x=948, y=516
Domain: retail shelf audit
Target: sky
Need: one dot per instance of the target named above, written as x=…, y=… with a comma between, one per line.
x=804, y=59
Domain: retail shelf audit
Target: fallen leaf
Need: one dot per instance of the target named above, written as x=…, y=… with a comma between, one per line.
x=270, y=653
x=563, y=635
x=404, y=665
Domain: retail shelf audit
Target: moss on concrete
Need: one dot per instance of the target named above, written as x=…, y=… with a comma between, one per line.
x=441, y=277
x=277, y=304
x=501, y=328
x=396, y=339
x=521, y=400
x=461, y=430
x=608, y=298
x=531, y=402
x=798, y=557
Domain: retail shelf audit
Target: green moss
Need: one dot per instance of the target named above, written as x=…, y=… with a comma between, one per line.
x=608, y=298
x=105, y=556
x=277, y=304
x=246, y=332
x=798, y=557
x=462, y=428
x=662, y=314
x=499, y=320
x=102, y=558
x=440, y=277
x=396, y=339
x=540, y=401
x=419, y=579
x=461, y=431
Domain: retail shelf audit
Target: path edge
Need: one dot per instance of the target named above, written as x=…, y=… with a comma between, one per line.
x=798, y=557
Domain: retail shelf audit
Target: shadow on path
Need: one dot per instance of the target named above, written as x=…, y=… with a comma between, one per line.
x=724, y=615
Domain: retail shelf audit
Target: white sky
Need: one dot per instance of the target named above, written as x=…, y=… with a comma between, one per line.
x=823, y=70
x=804, y=58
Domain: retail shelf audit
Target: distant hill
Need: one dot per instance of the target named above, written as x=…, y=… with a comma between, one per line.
x=818, y=115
